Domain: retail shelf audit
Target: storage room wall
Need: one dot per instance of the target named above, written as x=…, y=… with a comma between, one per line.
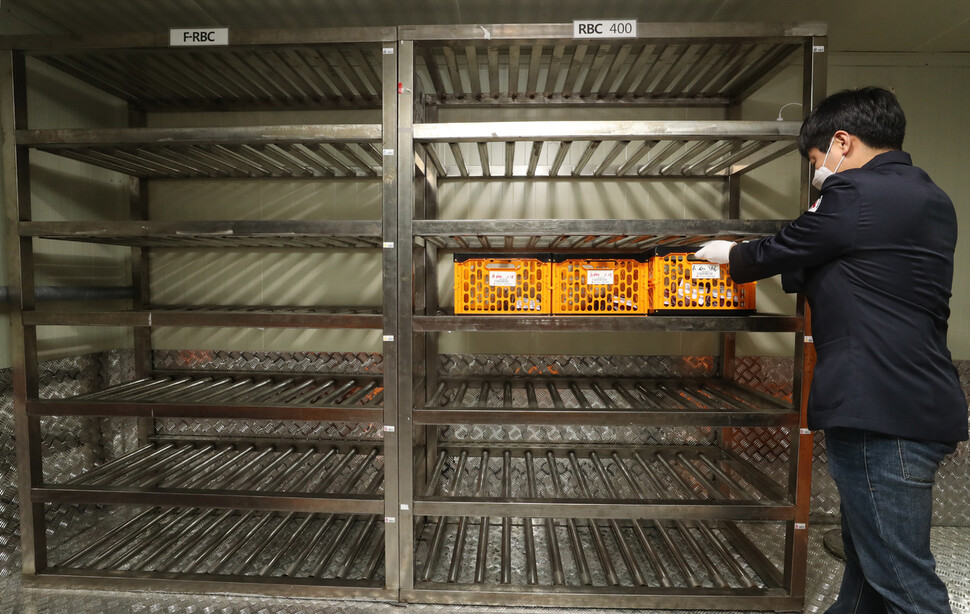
x=284, y=277
x=62, y=189
x=932, y=88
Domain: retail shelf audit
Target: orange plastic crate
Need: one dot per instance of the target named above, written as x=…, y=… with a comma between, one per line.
x=604, y=285
x=676, y=283
x=502, y=284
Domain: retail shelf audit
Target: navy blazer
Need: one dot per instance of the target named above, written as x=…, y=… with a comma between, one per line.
x=874, y=257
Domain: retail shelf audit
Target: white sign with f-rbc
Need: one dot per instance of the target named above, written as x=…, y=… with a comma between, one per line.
x=196, y=37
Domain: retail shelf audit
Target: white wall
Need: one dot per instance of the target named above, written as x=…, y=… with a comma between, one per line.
x=64, y=190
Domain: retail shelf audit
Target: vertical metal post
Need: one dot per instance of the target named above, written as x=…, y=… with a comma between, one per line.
x=729, y=341
x=23, y=339
x=141, y=281
x=814, y=74
x=405, y=293
x=429, y=264
x=391, y=331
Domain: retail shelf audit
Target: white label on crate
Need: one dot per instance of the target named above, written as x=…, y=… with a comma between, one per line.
x=705, y=271
x=800, y=526
x=804, y=431
x=505, y=279
x=818, y=48
x=389, y=519
x=388, y=50
x=404, y=507
x=198, y=37
x=604, y=28
x=388, y=428
x=600, y=277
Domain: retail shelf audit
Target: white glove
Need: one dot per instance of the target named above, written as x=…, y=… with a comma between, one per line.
x=715, y=251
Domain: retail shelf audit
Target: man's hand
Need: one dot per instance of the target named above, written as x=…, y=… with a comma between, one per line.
x=715, y=251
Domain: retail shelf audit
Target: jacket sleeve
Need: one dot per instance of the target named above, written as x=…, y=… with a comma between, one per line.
x=816, y=237
x=793, y=282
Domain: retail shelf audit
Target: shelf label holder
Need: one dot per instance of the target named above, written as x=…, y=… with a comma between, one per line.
x=198, y=37
x=604, y=28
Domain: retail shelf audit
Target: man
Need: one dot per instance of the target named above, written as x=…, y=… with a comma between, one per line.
x=874, y=257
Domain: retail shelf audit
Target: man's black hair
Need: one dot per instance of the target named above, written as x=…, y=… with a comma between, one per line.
x=871, y=113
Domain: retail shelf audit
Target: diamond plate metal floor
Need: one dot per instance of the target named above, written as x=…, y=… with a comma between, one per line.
x=951, y=545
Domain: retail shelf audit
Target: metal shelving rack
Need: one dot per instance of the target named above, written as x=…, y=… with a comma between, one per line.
x=597, y=521
x=649, y=522
x=228, y=513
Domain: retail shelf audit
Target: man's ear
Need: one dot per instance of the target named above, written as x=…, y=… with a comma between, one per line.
x=844, y=140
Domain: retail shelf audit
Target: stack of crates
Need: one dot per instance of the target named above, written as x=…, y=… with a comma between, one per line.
x=502, y=284
x=599, y=285
x=677, y=283
x=668, y=280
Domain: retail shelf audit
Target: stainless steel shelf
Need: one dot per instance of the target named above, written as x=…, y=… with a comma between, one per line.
x=686, y=482
x=304, y=151
x=638, y=149
x=311, y=477
x=651, y=323
x=273, y=70
x=216, y=316
x=221, y=234
x=215, y=395
x=602, y=401
x=614, y=235
x=608, y=563
x=225, y=547
x=666, y=64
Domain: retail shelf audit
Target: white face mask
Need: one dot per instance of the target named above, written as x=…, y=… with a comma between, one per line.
x=822, y=173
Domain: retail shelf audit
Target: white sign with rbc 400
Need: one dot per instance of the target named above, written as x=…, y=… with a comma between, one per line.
x=505, y=279
x=605, y=28
x=705, y=271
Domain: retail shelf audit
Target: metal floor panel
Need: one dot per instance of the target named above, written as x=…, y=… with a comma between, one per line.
x=824, y=572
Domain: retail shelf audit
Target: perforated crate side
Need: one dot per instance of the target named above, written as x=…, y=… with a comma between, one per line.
x=583, y=286
x=678, y=284
x=502, y=285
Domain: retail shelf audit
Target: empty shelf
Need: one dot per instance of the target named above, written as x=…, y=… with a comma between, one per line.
x=567, y=562
x=287, y=476
x=304, y=151
x=220, y=316
x=321, y=72
x=604, y=401
x=215, y=395
x=237, y=234
x=695, y=482
x=212, y=545
x=585, y=235
x=603, y=148
x=666, y=64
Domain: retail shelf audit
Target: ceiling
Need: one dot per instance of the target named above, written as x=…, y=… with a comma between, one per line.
x=936, y=26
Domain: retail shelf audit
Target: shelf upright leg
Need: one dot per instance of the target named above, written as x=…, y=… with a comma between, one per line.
x=23, y=339
x=731, y=211
x=405, y=294
x=391, y=310
x=430, y=268
x=141, y=282
x=815, y=70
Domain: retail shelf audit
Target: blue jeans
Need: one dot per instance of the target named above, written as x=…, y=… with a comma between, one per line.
x=886, y=487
